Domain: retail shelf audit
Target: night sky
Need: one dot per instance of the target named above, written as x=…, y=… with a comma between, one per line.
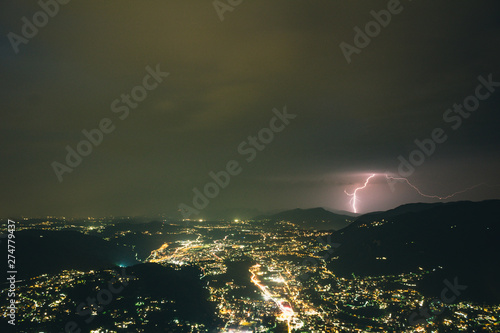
x=346, y=120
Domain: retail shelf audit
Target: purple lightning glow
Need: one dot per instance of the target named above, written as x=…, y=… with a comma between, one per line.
x=429, y=195
x=353, y=194
x=355, y=198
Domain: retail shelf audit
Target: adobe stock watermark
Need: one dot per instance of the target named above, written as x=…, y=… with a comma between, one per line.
x=30, y=28
x=448, y=295
x=95, y=305
x=250, y=148
x=11, y=272
x=452, y=116
x=363, y=38
x=121, y=106
x=222, y=6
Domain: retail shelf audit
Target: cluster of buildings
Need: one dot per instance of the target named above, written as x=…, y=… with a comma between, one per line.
x=264, y=276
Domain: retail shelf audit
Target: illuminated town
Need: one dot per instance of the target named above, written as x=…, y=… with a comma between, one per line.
x=259, y=279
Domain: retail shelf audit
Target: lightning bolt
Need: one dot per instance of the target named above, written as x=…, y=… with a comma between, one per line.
x=353, y=194
x=354, y=198
x=431, y=195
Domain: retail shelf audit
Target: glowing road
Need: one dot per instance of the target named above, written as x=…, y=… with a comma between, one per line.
x=286, y=311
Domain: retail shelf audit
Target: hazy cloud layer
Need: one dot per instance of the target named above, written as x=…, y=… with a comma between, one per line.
x=225, y=79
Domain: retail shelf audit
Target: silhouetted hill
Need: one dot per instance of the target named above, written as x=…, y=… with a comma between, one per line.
x=406, y=208
x=39, y=252
x=461, y=237
x=313, y=218
x=342, y=212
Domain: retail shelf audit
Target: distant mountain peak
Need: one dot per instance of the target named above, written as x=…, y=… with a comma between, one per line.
x=311, y=218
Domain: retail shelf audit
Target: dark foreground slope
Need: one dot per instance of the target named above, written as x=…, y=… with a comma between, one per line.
x=142, y=298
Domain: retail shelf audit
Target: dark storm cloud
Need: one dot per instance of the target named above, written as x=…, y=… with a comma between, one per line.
x=225, y=78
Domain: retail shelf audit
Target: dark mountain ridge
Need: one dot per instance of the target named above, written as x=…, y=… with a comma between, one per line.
x=460, y=237
x=313, y=218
